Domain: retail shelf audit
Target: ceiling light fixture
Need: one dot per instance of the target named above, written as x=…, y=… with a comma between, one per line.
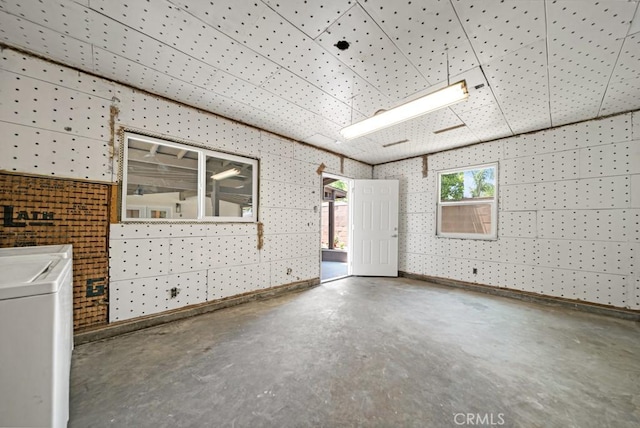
x=226, y=174
x=423, y=105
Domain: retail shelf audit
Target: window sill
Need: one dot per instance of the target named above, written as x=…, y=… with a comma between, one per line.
x=468, y=237
x=184, y=221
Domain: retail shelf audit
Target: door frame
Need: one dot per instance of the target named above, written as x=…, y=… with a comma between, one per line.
x=349, y=182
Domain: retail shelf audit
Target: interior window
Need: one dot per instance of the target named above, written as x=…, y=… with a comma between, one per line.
x=467, y=202
x=170, y=181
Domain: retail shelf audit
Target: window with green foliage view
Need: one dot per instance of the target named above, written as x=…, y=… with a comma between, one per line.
x=467, y=202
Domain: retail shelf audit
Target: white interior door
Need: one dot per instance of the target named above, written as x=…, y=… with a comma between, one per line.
x=375, y=228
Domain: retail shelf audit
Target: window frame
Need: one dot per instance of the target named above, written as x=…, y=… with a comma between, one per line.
x=493, y=235
x=202, y=182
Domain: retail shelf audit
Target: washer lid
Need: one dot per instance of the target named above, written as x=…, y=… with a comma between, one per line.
x=22, y=276
x=65, y=251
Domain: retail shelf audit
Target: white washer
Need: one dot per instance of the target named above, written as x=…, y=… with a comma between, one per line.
x=36, y=336
x=65, y=251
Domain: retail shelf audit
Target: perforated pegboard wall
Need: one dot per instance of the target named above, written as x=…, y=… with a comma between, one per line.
x=147, y=261
x=603, y=178
x=223, y=257
x=231, y=281
x=568, y=214
x=153, y=115
x=635, y=284
x=57, y=122
x=54, y=121
x=146, y=296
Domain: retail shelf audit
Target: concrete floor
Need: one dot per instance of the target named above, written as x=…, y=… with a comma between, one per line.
x=366, y=352
x=330, y=270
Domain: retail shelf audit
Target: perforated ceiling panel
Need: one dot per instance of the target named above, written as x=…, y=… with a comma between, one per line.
x=373, y=55
x=427, y=33
x=311, y=17
x=624, y=86
x=275, y=64
x=520, y=83
x=583, y=50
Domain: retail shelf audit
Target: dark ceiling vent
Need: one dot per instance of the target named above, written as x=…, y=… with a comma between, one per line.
x=343, y=45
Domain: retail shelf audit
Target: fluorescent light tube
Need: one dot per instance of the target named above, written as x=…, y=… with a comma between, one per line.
x=226, y=174
x=426, y=104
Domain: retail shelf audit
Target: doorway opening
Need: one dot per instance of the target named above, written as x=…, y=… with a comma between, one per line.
x=335, y=222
